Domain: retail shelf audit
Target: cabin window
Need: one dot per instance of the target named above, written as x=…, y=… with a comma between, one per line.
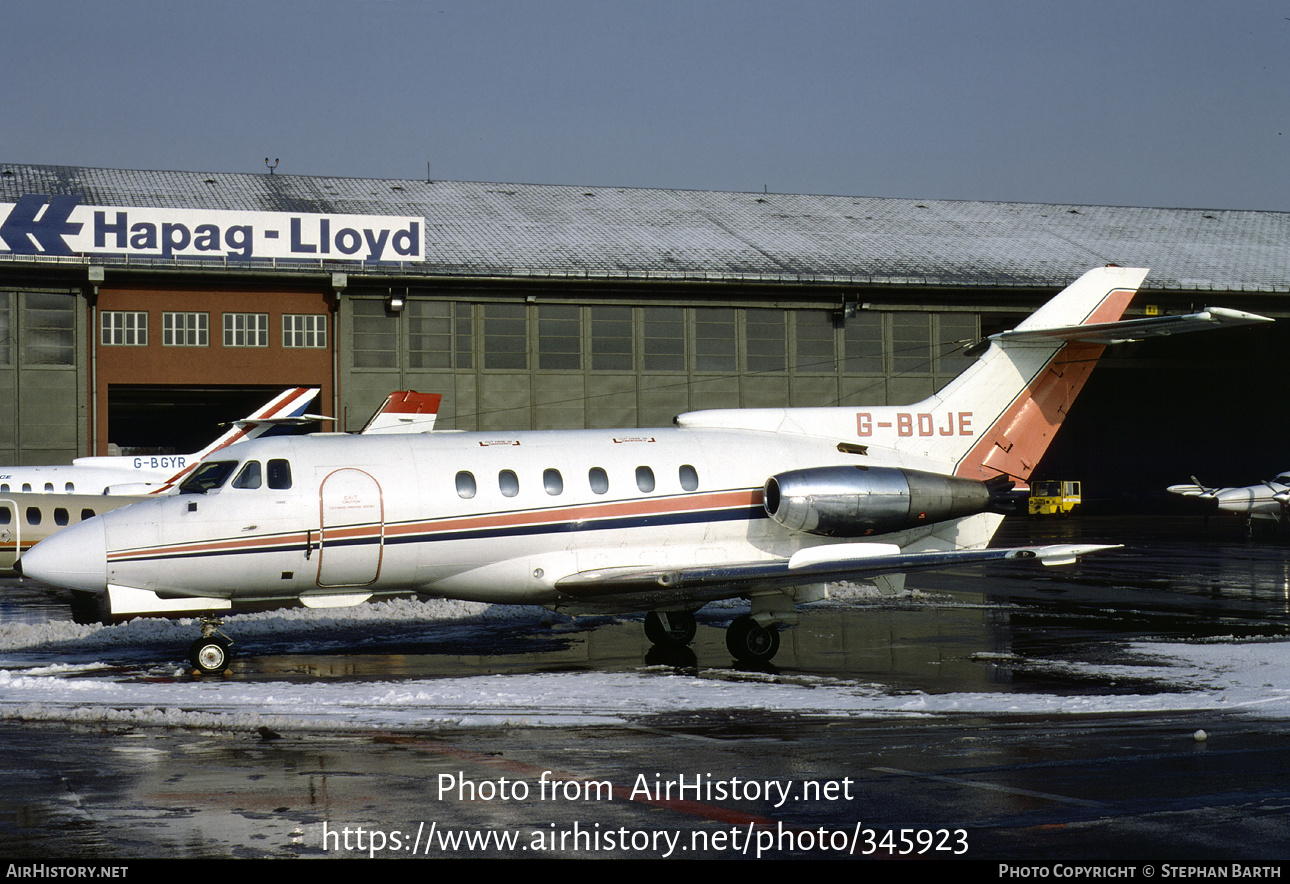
x=87, y=513
x=33, y=515
x=279, y=473
x=26, y=487
x=645, y=479
x=552, y=482
x=70, y=488
x=61, y=518
x=249, y=477
x=689, y=477
x=509, y=484
x=208, y=476
x=6, y=515
x=49, y=487
x=4, y=489
x=599, y=480
x=465, y=485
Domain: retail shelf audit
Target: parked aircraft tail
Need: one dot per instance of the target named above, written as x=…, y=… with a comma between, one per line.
x=998, y=417
x=406, y=411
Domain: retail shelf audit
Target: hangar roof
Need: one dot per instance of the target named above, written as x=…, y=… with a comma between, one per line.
x=558, y=231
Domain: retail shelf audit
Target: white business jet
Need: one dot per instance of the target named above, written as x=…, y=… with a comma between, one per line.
x=26, y=518
x=765, y=504
x=152, y=474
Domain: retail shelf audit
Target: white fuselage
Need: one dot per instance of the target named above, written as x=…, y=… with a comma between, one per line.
x=95, y=475
x=488, y=517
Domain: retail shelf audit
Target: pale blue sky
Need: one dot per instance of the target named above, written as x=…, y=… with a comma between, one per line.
x=1123, y=102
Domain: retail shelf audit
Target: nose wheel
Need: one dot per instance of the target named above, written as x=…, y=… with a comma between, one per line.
x=210, y=654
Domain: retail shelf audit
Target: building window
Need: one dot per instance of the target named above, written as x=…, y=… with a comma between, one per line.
x=376, y=343
x=304, y=330
x=765, y=347
x=611, y=339
x=123, y=328
x=955, y=333
x=714, y=340
x=5, y=328
x=814, y=340
x=862, y=338
x=911, y=343
x=49, y=336
x=559, y=337
x=246, y=329
x=429, y=333
x=663, y=338
x=506, y=342
x=185, y=329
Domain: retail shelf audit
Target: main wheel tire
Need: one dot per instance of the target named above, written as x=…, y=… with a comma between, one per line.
x=209, y=656
x=679, y=628
x=750, y=642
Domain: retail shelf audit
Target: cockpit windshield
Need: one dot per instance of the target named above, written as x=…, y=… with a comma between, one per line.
x=208, y=477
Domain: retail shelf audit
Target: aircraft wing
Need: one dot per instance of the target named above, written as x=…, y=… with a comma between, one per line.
x=813, y=565
x=1134, y=329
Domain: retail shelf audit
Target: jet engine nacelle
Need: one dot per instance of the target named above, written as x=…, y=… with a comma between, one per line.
x=856, y=501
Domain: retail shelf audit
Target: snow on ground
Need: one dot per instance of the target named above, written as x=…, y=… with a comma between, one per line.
x=1249, y=677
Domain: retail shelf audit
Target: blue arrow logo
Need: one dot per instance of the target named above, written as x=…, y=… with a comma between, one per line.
x=22, y=232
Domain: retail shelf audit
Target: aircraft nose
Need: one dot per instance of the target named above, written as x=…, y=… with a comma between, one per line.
x=75, y=558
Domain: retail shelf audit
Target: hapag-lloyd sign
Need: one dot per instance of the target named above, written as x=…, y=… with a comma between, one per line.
x=40, y=225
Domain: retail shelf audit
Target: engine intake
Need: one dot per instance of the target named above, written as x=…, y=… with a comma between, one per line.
x=857, y=501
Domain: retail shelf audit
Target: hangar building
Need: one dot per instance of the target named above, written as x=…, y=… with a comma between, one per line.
x=140, y=308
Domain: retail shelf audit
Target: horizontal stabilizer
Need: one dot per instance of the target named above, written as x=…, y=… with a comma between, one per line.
x=291, y=421
x=1132, y=329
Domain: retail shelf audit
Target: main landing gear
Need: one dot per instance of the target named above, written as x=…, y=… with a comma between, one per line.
x=748, y=641
x=210, y=654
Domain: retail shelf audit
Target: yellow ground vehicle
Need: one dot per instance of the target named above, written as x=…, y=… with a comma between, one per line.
x=1053, y=497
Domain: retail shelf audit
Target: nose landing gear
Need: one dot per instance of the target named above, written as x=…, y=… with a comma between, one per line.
x=210, y=654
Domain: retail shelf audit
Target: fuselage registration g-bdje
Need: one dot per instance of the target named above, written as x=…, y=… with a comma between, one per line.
x=765, y=504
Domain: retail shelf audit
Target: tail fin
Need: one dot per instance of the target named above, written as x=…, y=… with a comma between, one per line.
x=995, y=418
x=406, y=411
x=998, y=417
x=283, y=407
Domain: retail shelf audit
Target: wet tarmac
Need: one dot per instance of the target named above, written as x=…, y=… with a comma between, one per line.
x=1008, y=778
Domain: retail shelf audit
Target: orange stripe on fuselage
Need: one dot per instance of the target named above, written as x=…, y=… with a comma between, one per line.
x=579, y=513
x=585, y=512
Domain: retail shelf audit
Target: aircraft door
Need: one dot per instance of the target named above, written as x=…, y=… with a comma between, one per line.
x=351, y=539
x=10, y=534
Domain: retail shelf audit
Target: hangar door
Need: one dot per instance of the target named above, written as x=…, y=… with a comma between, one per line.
x=147, y=419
